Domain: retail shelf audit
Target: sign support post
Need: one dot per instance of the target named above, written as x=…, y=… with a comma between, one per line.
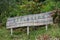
x=11, y=31
x=27, y=30
x=46, y=27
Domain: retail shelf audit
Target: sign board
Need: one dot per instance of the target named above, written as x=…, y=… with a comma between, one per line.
x=30, y=20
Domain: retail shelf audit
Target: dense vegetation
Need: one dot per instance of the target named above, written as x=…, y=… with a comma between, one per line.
x=11, y=8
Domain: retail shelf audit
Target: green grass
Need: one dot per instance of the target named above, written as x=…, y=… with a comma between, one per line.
x=53, y=31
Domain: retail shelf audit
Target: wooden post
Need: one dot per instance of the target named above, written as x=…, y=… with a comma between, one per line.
x=27, y=30
x=46, y=27
x=11, y=31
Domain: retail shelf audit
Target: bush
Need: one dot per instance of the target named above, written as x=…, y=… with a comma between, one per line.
x=14, y=8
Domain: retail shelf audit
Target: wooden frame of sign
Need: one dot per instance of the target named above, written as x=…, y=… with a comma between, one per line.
x=29, y=20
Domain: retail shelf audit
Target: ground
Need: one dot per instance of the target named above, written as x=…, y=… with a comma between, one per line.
x=53, y=31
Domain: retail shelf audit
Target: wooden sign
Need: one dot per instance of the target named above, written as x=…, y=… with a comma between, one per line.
x=30, y=20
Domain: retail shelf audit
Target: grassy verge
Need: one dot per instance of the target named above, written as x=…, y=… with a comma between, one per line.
x=53, y=31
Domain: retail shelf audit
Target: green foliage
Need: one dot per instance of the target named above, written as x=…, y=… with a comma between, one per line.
x=58, y=5
x=3, y=9
x=48, y=6
x=14, y=8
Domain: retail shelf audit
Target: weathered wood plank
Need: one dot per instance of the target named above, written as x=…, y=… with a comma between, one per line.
x=30, y=20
